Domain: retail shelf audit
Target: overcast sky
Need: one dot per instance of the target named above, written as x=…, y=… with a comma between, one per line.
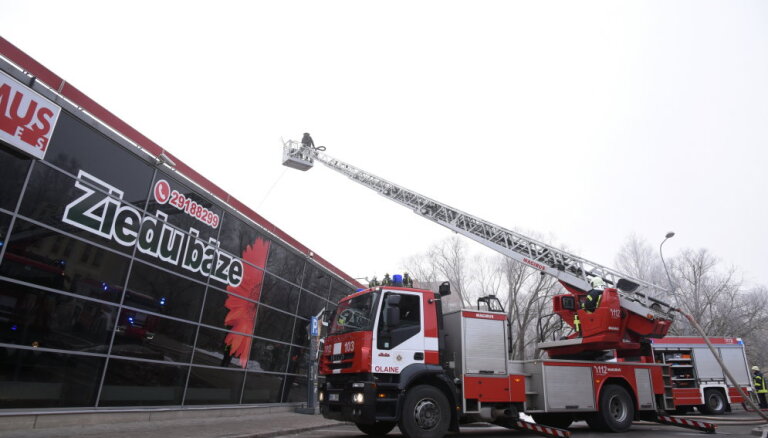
x=582, y=121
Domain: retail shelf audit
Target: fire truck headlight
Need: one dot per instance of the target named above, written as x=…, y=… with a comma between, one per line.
x=321, y=396
x=358, y=398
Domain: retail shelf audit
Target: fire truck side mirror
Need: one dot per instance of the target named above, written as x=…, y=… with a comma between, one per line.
x=445, y=289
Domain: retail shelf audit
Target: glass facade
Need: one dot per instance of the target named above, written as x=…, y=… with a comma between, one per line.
x=122, y=285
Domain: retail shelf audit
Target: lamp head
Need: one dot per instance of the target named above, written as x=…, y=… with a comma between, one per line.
x=670, y=234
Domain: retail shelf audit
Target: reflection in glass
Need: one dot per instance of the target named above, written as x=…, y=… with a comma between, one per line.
x=310, y=304
x=285, y=264
x=37, y=318
x=162, y=292
x=131, y=383
x=77, y=146
x=236, y=236
x=297, y=361
x=212, y=350
x=147, y=336
x=42, y=256
x=214, y=386
x=295, y=389
x=13, y=168
x=262, y=388
x=268, y=356
x=316, y=281
x=37, y=379
x=280, y=294
x=273, y=324
x=339, y=291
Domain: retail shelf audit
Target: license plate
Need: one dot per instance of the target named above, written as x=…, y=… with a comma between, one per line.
x=333, y=397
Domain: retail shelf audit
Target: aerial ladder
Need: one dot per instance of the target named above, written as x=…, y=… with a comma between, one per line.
x=642, y=314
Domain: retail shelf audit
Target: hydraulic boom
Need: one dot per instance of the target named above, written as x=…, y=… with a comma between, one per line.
x=634, y=295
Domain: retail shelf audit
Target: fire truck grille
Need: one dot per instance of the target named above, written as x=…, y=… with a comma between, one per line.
x=341, y=360
x=338, y=357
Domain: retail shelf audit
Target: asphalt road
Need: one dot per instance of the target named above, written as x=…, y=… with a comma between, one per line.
x=579, y=429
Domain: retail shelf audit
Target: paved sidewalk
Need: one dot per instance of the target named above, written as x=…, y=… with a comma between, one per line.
x=256, y=426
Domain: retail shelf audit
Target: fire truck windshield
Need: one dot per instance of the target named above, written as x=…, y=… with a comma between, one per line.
x=355, y=314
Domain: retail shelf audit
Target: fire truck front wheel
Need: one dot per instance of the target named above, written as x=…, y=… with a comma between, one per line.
x=616, y=410
x=380, y=428
x=426, y=413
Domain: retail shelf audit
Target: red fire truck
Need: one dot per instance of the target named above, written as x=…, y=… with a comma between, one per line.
x=392, y=357
x=697, y=379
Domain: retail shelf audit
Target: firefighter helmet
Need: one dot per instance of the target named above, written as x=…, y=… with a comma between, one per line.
x=755, y=368
x=597, y=282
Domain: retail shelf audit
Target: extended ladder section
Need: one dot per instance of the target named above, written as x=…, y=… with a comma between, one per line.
x=568, y=268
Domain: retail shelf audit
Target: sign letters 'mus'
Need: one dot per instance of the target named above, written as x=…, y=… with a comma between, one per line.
x=27, y=119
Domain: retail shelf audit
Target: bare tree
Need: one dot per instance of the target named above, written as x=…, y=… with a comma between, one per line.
x=486, y=277
x=528, y=303
x=639, y=259
x=449, y=258
x=714, y=296
x=446, y=260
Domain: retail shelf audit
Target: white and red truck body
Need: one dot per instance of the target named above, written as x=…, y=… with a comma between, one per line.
x=696, y=374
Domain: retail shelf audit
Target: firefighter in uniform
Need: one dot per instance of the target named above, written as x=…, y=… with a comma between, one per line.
x=759, y=380
x=387, y=280
x=407, y=281
x=593, y=297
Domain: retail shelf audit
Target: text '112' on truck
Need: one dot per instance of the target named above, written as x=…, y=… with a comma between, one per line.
x=393, y=357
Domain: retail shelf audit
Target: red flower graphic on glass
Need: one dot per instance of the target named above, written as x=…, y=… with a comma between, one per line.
x=242, y=313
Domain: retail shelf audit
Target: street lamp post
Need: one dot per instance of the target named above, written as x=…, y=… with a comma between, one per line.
x=669, y=235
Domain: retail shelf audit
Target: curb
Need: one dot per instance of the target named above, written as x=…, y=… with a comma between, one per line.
x=286, y=431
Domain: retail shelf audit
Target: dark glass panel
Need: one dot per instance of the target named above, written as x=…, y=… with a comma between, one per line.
x=268, y=356
x=132, y=383
x=262, y=388
x=228, y=311
x=297, y=361
x=285, y=264
x=162, y=292
x=36, y=379
x=280, y=294
x=148, y=336
x=48, y=194
x=273, y=324
x=76, y=146
x=38, y=318
x=301, y=333
x=310, y=304
x=236, y=236
x=215, y=348
x=295, y=389
x=48, y=258
x=338, y=291
x=183, y=207
x=13, y=168
x=214, y=386
x=317, y=281
x=5, y=222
